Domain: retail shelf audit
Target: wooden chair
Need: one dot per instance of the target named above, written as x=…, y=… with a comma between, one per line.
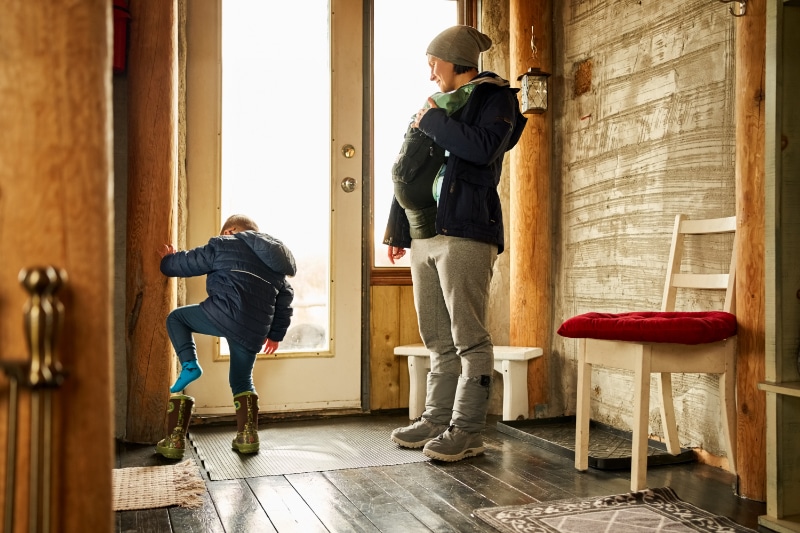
x=662, y=342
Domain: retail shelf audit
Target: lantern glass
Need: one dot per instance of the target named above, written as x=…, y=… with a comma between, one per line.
x=534, y=91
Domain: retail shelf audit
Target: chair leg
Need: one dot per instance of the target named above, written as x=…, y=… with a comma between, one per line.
x=582, y=409
x=668, y=422
x=641, y=409
x=727, y=399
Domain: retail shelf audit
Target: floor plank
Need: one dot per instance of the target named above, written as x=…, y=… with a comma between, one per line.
x=238, y=507
x=379, y=507
x=146, y=520
x=461, y=498
x=202, y=520
x=435, y=510
x=285, y=507
x=513, y=469
x=333, y=509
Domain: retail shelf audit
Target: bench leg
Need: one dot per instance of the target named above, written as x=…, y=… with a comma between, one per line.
x=515, y=389
x=418, y=367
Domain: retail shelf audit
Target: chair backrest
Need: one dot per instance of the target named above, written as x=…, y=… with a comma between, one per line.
x=675, y=279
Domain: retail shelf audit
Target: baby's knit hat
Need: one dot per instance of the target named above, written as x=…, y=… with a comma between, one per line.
x=460, y=45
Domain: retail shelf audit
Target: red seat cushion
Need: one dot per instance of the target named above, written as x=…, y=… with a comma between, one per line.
x=697, y=327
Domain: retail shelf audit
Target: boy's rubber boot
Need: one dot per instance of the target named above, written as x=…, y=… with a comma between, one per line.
x=179, y=414
x=439, y=398
x=463, y=438
x=246, y=441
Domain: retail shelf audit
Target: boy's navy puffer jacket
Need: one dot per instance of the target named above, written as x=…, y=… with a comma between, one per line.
x=249, y=298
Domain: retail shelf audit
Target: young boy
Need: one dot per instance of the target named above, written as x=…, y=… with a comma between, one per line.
x=249, y=304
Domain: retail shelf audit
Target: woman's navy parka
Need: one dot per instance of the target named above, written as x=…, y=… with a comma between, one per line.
x=489, y=125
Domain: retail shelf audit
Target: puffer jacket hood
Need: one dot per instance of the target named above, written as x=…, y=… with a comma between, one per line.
x=271, y=251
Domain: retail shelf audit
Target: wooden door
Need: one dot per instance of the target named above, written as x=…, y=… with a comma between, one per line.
x=55, y=209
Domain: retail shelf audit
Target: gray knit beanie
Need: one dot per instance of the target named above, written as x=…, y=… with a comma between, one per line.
x=460, y=45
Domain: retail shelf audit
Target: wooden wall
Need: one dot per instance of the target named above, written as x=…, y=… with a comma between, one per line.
x=393, y=321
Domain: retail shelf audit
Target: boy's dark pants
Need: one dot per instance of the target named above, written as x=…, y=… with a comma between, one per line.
x=183, y=322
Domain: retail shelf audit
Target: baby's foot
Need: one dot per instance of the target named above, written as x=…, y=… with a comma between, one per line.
x=190, y=371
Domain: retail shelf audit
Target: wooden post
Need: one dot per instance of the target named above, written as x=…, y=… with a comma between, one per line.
x=530, y=219
x=152, y=212
x=750, y=306
x=55, y=209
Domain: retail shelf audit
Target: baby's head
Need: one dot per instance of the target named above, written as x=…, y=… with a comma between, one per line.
x=237, y=223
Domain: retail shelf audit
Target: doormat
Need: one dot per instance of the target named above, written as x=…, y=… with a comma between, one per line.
x=150, y=487
x=296, y=447
x=651, y=510
x=609, y=448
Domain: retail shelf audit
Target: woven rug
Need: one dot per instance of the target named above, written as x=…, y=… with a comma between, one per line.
x=652, y=510
x=150, y=487
x=295, y=447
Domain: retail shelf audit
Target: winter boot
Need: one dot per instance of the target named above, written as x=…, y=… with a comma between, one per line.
x=179, y=413
x=463, y=437
x=438, y=411
x=246, y=440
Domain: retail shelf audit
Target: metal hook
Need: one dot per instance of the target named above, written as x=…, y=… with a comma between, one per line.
x=533, y=43
x=742, y=7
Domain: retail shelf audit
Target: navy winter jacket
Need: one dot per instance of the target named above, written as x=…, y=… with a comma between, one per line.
x=488, y=125
x=249, y=298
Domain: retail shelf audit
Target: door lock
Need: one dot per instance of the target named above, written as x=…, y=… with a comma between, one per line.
x=348, y=184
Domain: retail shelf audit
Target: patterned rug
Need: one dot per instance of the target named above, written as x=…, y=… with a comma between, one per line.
x=651, y=510
x=150, y=487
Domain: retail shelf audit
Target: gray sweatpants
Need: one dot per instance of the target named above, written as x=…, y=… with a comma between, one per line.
x=451, y=277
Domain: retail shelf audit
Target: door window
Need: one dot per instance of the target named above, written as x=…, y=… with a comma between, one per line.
x=401, y=81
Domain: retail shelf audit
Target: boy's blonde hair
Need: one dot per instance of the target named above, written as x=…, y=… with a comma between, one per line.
x=238, y=223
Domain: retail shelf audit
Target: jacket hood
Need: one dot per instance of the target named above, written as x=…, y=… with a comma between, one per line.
x=490, y=77
x=270, y=250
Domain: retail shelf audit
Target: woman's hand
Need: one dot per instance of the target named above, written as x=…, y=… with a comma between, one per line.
x=421, y=112
x=396, y=253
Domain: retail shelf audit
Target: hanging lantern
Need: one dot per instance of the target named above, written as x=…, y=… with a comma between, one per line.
x=534, y=91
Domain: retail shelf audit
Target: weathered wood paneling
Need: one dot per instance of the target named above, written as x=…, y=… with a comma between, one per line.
x=654, y=136
x=393, y=321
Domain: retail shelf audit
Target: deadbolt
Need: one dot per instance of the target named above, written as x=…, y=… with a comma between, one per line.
x=348, y=151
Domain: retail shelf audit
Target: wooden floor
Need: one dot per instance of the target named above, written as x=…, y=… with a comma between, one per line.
x=423, y=496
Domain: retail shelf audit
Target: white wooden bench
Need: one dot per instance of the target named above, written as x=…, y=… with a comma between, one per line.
x=510, y=361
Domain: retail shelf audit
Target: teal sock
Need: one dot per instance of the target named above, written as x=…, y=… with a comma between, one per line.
x=190, y=371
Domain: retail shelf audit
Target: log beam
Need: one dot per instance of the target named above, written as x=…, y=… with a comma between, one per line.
x=530, y=200
x=152, y=212
x=750, y=297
